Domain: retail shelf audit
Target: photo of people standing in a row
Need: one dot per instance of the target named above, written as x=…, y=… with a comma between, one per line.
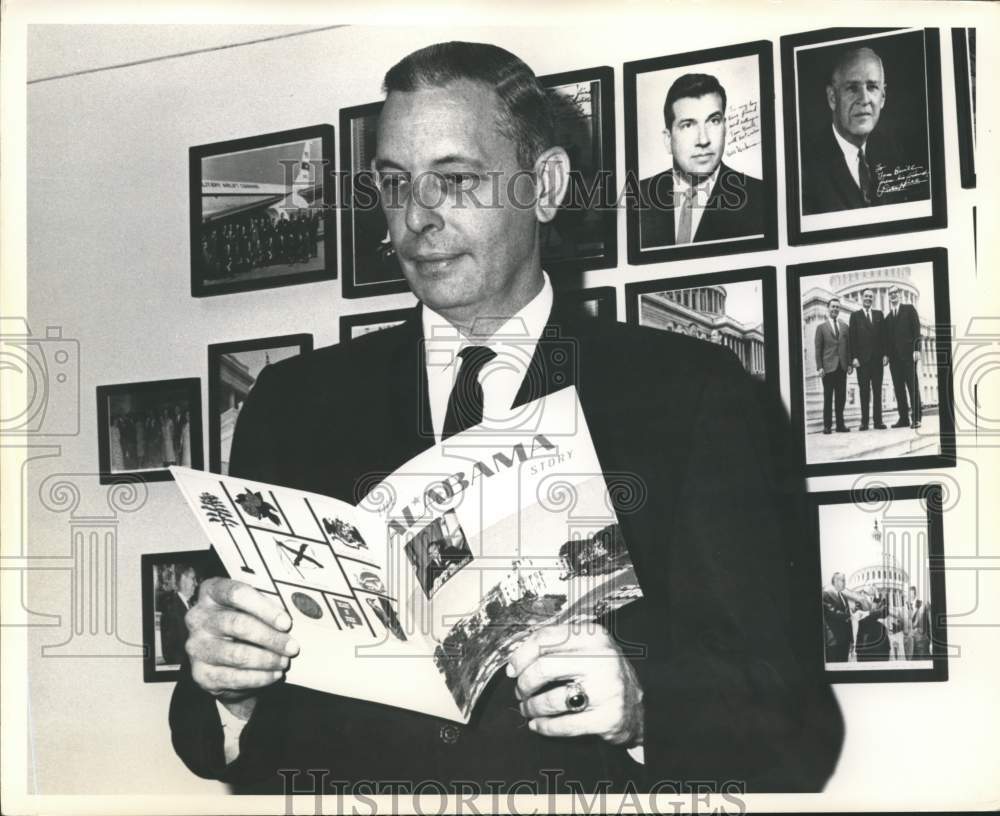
x=871, y=355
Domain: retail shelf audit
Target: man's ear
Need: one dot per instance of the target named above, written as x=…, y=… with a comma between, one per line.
x=831, y=98
x=552, y=182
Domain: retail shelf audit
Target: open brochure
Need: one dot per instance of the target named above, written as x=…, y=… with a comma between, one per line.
x=420, y=593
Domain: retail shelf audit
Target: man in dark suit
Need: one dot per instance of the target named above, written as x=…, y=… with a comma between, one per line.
x=840, y=162
x=700, y=198
x=173, y=631
x=902, y=345
x=917, y=637
x=837, y=617
x=834, y=364
x=700, y=438
x=868, y=357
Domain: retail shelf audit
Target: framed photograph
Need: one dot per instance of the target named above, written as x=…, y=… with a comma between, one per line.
x=233, y=369
x=870, y=357
x=144, y=427
x=699, y=154
x=883, y=590
x=963, y=49
x=584, y=233
x=863, y=143
x=170, y=583
x=352, y=326
x=737, y=310
x=261, y=211
x=600, y=302
x=368, y=260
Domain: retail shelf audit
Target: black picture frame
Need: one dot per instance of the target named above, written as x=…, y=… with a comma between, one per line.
x=149, y=397
x=830, y=223
x=240, y=382
x=938, y=361
x=257, y=220
x=155, y=668
x=586, y=224
x=765, y=275
x=374, y=320
x=900, y=534
x=963, y=49
x=768, y=237
x=368, y=261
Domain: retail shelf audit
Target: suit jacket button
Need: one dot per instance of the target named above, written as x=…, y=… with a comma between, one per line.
x=449, y=734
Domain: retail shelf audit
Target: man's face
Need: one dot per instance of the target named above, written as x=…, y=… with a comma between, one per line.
x=464, y=245
x=833, y=309
x=866, y=298
x=434, y=551
x=715, y=336
x=698, y=135
x=913, y=595
x=893, y=296
x=187, y=584
x=856, y=97
x=838, y=583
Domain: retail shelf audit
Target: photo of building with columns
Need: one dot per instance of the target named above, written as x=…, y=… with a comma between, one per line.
x=915, y=283
x=729, y=315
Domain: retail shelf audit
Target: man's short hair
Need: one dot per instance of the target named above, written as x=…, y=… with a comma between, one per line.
x=867, y=289
x=844, y=56
x=913, y=589
x=525, y=111
x=833, y=578
x=691, y=86
x=833, y=300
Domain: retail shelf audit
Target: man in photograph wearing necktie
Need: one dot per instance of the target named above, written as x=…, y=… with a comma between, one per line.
x=868, y=357
x=833, y=362
x=838, y=165
x=902, y=345
x=700, y=198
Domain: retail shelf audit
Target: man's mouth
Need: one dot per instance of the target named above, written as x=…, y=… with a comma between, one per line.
x=433, y=262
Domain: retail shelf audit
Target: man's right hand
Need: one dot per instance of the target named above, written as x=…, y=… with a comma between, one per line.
x=237, y=643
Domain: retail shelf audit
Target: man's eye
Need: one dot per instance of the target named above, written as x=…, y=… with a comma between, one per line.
x=461, y=181
x=392, y=182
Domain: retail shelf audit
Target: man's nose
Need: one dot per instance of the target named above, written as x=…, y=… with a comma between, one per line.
x=426, y=196
x=702, y=135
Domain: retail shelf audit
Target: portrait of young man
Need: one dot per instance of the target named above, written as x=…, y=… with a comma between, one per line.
x=700, y=198
x=726, y=683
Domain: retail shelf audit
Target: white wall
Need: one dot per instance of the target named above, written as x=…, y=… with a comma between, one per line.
x=108, y=261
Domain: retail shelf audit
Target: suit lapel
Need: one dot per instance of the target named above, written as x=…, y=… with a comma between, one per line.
x=412, y=430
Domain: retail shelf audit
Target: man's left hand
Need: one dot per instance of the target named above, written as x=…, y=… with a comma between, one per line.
x=566, y=654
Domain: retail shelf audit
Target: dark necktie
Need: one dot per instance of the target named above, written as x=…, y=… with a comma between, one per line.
x=465, y=405
x=686, y=216
x=836, y=330
x=865, y=178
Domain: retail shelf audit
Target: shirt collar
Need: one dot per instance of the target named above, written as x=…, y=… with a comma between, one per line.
x=704, y=187
x=850, y=151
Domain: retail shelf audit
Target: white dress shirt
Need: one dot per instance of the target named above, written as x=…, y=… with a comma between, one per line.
x=703, y=190
x=851, y=154
x=514, y=343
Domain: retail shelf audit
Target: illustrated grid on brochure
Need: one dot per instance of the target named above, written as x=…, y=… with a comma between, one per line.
x=416, y=596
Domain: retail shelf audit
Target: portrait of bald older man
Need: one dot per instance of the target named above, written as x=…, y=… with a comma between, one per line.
x=839, y=161
x=715, y=674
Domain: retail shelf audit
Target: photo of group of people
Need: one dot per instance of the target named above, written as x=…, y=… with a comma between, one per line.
x=144, y=428
x=259, y=211
x=882, y=600
x=874, y=389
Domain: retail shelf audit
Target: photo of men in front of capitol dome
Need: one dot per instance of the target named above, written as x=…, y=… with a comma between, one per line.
x=869, y=364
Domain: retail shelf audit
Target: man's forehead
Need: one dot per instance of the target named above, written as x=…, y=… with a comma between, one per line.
x=688, y=104
x=861, y=66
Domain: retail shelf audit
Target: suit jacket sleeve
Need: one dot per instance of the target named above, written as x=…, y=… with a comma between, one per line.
x=832, y=609
x=914, y=327
x=735, y=686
